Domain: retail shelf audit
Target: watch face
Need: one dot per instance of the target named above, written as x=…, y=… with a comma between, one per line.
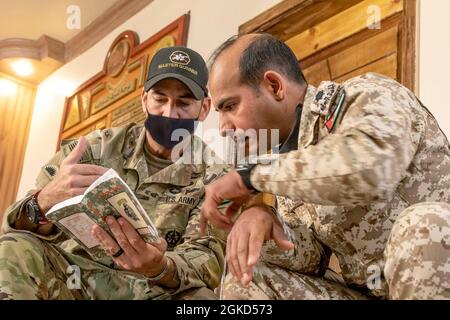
x=242, y=167
x=32, y=211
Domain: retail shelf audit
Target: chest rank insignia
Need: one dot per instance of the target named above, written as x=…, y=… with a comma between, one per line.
x=332, y=117
x=107, y=133
x=172, y=238
x=174, y=190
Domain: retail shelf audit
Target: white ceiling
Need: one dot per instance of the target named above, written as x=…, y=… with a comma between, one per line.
x=32, y=18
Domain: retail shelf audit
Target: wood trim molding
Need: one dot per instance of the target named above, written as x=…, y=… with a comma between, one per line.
x=292, y=17
x=44, y=47
x=408, y=58
x=49, y=47
x=342, y=45
x=113, y=17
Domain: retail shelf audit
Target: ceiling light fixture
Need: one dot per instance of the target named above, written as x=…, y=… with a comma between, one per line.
x=23, y=68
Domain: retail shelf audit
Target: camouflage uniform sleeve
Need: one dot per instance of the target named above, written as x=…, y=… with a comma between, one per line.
x=362, y=161
x=308, y=255
x=199, y=259
x=46, y=174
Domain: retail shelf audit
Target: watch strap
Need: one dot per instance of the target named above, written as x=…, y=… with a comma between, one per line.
x=38, y=216
x=245, y=172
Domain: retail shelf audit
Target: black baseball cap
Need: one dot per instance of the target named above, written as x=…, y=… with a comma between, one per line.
x=182, y=64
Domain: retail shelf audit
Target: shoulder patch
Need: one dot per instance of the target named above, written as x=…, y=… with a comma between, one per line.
x=335, y=111
x=51, y=170
x=325, y=97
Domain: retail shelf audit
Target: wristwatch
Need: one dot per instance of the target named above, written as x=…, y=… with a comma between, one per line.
x=245, y=171
x=33, y=211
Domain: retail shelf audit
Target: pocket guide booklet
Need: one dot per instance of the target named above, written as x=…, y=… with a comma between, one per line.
x=109, y=195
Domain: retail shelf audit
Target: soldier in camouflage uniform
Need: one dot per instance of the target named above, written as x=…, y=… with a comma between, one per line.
x=363, y=172
x=38, y=261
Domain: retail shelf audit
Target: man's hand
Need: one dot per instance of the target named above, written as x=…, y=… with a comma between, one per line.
x=138, y=256
x=228, y=187
x=253, y=227
x=72, y=179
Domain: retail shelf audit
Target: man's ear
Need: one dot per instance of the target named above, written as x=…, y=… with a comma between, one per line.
x=144, y=97
x=275, y=84
x=204, y=111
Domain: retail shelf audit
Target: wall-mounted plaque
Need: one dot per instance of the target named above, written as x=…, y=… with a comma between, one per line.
x=118, y=58
x=112, y=97
x=73, y=113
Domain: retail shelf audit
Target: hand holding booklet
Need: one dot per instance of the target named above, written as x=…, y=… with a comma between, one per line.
x=109, y=195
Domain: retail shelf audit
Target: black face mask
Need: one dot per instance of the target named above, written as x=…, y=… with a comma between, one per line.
x=161, y=129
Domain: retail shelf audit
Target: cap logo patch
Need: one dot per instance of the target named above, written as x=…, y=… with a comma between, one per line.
x=180, y=57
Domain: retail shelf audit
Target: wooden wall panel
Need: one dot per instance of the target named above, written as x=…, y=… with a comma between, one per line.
x=339, y=27
x=386, y=66
x=369, y=50
x=378, y=53
x=16, y=108
x=291, y=17
x=319, y=29
x=364, y=53
x=317, y=73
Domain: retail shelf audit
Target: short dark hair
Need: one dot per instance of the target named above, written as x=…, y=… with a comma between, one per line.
x=265, y=52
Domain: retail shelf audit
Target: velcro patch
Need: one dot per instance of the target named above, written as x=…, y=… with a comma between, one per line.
x=181, y=199
x=172, y=238
x=69, y=146
x=51, y=170
x=333, y=116
x=325, y=96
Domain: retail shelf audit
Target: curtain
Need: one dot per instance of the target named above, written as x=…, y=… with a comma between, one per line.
x=16, y=108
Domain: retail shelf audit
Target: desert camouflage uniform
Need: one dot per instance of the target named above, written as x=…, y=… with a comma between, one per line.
x=374, y=190
x=34, y=266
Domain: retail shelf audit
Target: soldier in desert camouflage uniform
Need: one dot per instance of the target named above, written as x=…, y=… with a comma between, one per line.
x=363, y=172
x=38, y=261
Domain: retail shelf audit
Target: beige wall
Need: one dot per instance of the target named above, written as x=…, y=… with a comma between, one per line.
x=212, y=21
x=434, y=59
